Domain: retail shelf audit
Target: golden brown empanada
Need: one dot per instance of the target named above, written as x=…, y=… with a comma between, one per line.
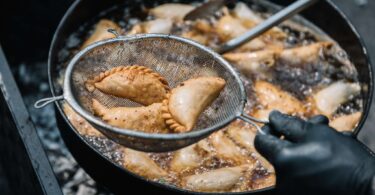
x=83, y=127
x=216, y=180
x=264, y=182
x=248, y=63
x=141, y=164
x=271, y=98
x=225, y=149
x=175, y=11
x=329, y=99
x=346, y=122
x=186, y=102
x=186, y=159
x=137, y=83
x=148, y=119
x=101, y=32
x=305, y=54
x=162, y=26
x=244, y=135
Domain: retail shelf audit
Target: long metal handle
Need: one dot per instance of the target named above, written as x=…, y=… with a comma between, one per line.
x=272, y=21
x=253, y=121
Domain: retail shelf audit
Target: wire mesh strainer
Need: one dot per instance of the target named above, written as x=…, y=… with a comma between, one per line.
x=177, y=59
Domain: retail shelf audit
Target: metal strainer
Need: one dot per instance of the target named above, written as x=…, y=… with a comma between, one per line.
x=177, y=59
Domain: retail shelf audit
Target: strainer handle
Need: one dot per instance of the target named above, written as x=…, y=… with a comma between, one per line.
x=253, y=121
x=45, y=101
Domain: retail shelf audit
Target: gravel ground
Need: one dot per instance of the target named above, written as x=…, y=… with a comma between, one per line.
x=72, y=178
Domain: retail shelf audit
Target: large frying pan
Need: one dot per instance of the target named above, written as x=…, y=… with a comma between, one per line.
x=324, y=15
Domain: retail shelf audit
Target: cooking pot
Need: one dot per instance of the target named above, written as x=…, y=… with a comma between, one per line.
x=324, y=14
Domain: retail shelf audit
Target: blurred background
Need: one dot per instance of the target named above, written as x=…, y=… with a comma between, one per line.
x=26, y=30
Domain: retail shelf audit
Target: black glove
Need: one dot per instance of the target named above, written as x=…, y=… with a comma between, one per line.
x=312, y=158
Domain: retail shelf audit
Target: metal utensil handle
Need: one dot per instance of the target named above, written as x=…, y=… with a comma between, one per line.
x=45, y=101
x=253, y=121
x=272, y=21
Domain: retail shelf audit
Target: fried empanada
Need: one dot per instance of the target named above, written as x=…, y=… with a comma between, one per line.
x=175, y=11
x=186, y=102
x=83, y=127
x=271, y=98
x=225, y=149
x=258, y=63
x=186, y=159
x=196, y=36
x=242, y=134
x=234, y=25
x=148, y=119
x=217, y=180
x=305, y=54
x=101, y=32
x=264, y=182
x=229, y=27
x=162, y=26
x=329, y=99
x=137, y=83
x=141, y=164
x=346, y=122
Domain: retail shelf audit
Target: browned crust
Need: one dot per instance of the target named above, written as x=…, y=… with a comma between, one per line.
x=169, y=120
x=142, y=70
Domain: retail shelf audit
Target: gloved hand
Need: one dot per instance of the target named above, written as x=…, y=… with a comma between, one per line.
x=313, y=158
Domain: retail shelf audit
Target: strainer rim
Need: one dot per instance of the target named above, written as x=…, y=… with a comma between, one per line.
x=69, y=97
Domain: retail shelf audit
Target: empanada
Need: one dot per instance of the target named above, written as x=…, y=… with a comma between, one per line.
x=101, y=32
x=79, y=123
x=216, y=180
x=346, y=122
x=137, y=83
x=271, y=97
x=175, y=11
x=186, y=102
x=225, y=149
x=305, y=54
x=147, y=119
x=248, y=63
x=160, y=26
x=242, y=134
x=329, y=99
x=186, y=159
x=141, y=164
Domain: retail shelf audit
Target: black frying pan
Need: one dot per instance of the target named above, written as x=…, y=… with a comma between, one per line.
x=324, y=14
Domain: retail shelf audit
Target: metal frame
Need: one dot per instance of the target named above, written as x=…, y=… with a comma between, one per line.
x=27, y=168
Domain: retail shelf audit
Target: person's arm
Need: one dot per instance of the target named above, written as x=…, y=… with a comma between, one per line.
x=311, y=158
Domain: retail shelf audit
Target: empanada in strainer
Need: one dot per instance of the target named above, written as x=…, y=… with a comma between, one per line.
x=186, y=102
x=136, y=83
x=146, y=118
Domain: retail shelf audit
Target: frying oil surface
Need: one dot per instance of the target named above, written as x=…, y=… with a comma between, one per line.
x=288, y=68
